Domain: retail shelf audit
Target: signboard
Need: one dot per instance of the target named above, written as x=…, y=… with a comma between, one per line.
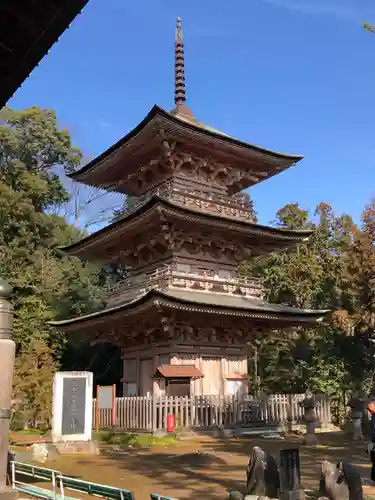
x=104, y=396
x=72, y=406
x=105, y=400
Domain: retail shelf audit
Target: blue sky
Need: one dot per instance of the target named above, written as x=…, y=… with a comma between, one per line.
x=297, y=76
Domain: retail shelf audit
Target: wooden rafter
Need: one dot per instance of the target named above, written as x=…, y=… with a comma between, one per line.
x=28, y=29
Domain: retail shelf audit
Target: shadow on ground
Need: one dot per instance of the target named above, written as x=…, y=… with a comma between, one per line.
x=205, y=468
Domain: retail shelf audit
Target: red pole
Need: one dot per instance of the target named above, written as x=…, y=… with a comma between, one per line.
x=114, y=413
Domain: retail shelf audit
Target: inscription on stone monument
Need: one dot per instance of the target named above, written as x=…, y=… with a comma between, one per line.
x=73, y=406
x=290, y=470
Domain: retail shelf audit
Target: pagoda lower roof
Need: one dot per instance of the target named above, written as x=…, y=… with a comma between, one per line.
x=198, y=302
x=110, y=169
x=95, y=246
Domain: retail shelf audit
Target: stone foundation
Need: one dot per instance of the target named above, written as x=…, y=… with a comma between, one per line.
x=71, y=447
x=8, y=493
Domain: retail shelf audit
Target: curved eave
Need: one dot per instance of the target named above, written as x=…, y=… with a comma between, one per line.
x=199, y=302
x=155, y=202
x=28, y=36
x=82, y=174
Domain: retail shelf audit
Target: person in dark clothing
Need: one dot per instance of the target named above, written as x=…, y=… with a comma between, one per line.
x=371, y=446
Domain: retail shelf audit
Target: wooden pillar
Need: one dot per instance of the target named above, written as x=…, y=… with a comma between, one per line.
x=155, y=384
x=139, y=376
x=7, y=354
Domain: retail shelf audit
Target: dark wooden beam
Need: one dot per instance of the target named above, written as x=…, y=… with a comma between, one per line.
x=28, y=29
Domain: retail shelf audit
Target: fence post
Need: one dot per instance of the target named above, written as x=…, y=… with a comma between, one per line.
x=154, y=414
x=141, y=413
x=290, y=413
x=97, y=411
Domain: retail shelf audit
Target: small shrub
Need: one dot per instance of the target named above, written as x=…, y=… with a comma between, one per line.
x=105, y=436
x=135, y=440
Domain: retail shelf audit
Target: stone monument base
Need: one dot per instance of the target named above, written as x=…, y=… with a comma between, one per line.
x=71, y=447
x=8, y=493
x=292, y=495
x=310, y=439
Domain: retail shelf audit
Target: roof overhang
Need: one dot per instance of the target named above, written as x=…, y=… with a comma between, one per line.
x=28, y=31
x=177, y=371
x=96, y=246
x=198, y=303
x=106, y=170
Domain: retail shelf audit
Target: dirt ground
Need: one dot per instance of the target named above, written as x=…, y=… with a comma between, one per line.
x=205, y=468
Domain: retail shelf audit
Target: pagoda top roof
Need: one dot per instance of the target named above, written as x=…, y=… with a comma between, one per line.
x=138, y=144
x=206, y=302
x=98, y=242
x=119, y=167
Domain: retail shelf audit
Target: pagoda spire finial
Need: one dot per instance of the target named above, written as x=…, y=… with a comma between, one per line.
x=179, y=74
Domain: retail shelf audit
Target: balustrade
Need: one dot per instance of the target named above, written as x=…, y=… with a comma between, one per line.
x=237, y=206
x=171, y=278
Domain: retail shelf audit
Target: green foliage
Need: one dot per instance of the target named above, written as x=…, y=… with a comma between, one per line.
x=334, y=270
x=135, y=440
x=47, y=284
x=369, y=27
x=129, y=203
x=34, y=370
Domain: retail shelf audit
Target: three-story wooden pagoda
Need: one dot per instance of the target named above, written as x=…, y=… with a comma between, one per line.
x=183, y=317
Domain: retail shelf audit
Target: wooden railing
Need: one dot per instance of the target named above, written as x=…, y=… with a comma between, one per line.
x=168, y=277
x=238, y=205
x=208, y=412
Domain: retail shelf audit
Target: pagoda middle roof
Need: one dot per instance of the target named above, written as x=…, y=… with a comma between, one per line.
x=86, y=248
x=211, y=303
x=109, y=168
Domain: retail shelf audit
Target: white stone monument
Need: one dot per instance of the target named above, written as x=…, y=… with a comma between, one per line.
x=72, y=412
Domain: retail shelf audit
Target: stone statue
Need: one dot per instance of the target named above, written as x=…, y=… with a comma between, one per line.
x=357, y=404
x=262, y=473
x=235, y=495
x=309, y=404
x=340, y=482
x=371, y=410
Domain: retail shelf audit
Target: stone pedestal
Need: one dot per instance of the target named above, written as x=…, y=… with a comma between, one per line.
x=292, y=495
x=357, y=404
x=357, y=428
x=7, y=493
x=310, y=437
x=7, y=354
x=84, y=447
x=308, y=405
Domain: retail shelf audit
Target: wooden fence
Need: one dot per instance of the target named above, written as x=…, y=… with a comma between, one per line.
x=207, y=412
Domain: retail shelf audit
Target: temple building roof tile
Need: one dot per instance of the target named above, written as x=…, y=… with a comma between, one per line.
x=84, y=247
x=188, y=179
x=159, y=121
x=202, y=302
